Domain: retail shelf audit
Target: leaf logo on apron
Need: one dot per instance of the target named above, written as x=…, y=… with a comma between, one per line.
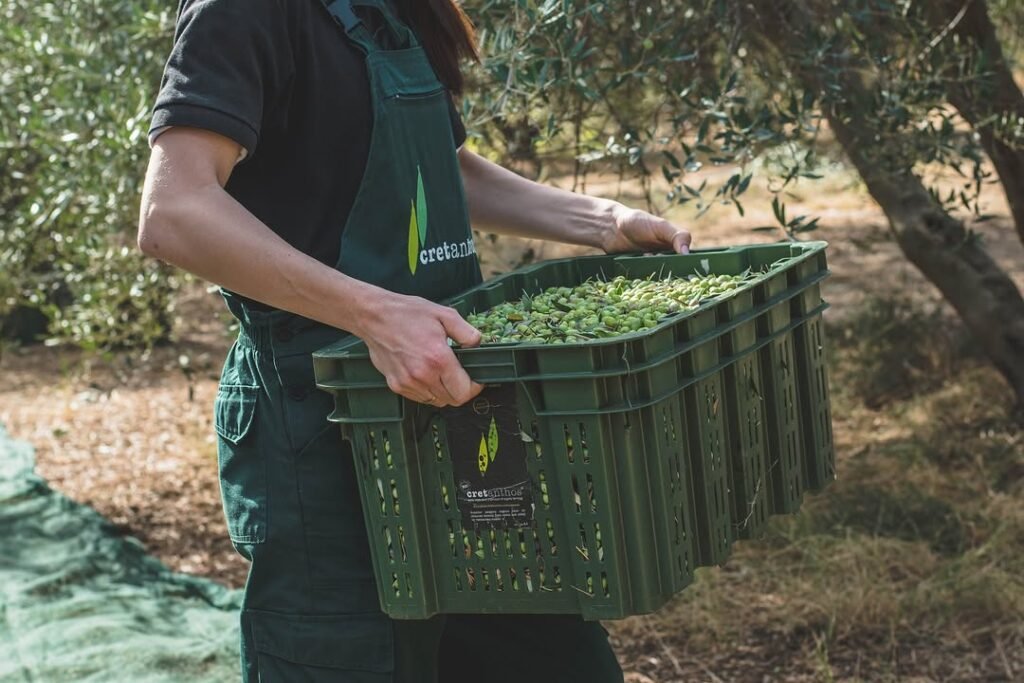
x=417, y=223
x=488, y=447
x=419, y=253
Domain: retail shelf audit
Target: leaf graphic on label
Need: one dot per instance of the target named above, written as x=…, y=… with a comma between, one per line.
x=414, y=240
x=421, y=207
x=492, y=439
x=482, y=460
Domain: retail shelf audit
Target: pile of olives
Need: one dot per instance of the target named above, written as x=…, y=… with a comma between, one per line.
x=598, y=309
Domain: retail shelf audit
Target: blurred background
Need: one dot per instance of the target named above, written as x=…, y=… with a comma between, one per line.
x=892, y=129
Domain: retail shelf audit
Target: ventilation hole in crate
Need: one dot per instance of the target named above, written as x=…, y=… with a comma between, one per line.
x=604, y=584
x=545, y=499
x=679, y=566
x=470, y=578
x=583, y=548
x=443, y=491
x=401, y=543
x=380, y=497
x=467, y=547
x=394, y=585
x=458, y=579
x=791, y=402
x=598, y=542
x=394, y=497
x=451, y=539
x=435, y=434
x=671, y=474
x=537, y=548
x=822, y=387
x=541, y=577
x=551, y=537
x=408, y=583
x=591, y=495
x=513, y=579
x=558, y=576
x=570, y=452
x=389, y=459
x=528, y=580
x=486, y=576
x=494, y=543
x=479, y=552
x=374, y=455
x=677, y=524
x=508, y=543
x=499, y=582
x=535, y=431
x=390, y=545
x=583, y=443
x=576, y=493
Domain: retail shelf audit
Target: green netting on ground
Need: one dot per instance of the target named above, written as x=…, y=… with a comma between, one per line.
x=78, y=602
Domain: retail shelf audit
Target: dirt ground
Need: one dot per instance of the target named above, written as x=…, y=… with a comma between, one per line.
x=132, y=437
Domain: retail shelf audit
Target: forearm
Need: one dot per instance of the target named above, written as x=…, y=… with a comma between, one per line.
x=501, y=201
x=209, y=234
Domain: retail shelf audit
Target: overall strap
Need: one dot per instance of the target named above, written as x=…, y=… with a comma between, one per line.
x=344, y=14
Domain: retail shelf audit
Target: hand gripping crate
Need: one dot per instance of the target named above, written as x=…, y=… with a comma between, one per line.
x=628, y=462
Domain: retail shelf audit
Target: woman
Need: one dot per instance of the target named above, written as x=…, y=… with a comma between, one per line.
x=308, y=158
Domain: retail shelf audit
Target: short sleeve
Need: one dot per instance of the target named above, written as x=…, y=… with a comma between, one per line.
x=230, y=60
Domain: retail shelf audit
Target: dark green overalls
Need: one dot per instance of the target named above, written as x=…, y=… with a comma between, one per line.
x=287, y=479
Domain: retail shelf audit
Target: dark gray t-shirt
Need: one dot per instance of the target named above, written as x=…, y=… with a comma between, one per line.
x=280, y=78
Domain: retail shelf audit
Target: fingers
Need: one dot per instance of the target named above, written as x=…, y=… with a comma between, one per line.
x=681, y=242
x=436, y=378
x=675, y=237
x=458, y=329
x=458, y=384
x=404, y=385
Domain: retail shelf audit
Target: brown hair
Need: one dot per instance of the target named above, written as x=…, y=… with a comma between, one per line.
x=447, y=35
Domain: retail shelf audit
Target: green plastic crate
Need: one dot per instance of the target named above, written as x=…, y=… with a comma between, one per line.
x=645, y=456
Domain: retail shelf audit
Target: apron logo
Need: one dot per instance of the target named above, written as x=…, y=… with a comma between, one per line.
x=488, y=447
x=417, y=223
x=418, y=252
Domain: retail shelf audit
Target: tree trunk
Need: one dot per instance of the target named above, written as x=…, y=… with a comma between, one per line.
x=990, y=98
x=951, y=258
x=936, y=243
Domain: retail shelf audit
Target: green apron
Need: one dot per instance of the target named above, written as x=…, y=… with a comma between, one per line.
x=287, y=479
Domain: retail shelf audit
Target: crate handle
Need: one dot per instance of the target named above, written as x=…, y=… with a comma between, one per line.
x=532, y=393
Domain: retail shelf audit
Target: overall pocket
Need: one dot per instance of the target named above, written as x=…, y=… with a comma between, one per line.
x=243, y=467
x=336, y=543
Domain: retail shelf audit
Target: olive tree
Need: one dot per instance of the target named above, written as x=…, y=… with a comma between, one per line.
x=654, y=87
x=77, y=81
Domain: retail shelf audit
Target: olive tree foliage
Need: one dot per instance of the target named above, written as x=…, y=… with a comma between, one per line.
x=77, y=81
x=656, y=90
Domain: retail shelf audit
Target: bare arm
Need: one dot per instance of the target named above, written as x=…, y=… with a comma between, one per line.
x=503, y=202
x=188, y=220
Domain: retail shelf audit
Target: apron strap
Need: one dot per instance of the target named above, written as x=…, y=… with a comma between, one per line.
x=343, y=11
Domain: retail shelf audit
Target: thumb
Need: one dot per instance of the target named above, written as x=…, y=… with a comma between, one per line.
x=458, y=329
x=681, y=242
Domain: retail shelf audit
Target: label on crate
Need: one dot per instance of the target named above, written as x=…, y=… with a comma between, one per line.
x=489, y=460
